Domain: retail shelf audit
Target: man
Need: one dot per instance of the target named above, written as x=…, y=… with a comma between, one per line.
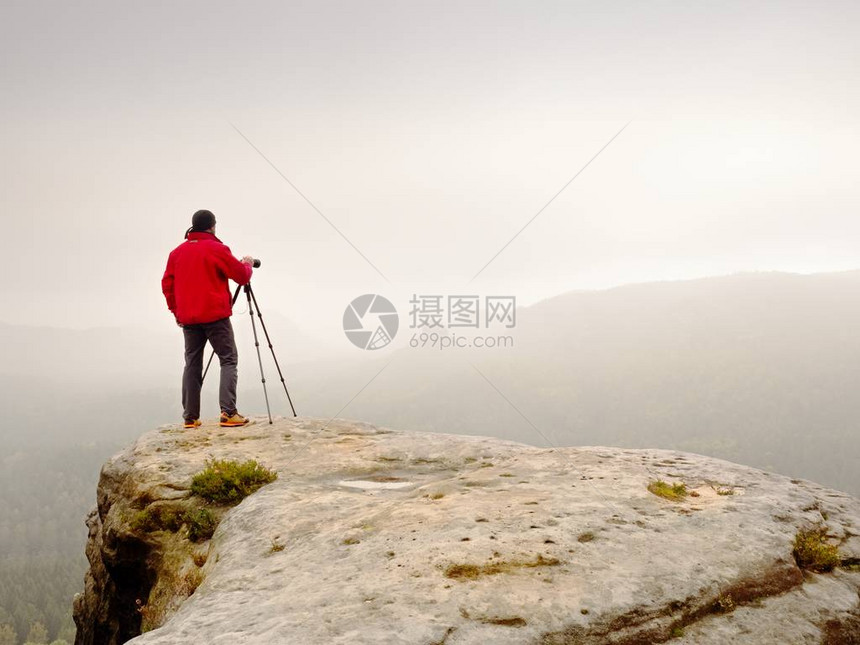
x=198, y=294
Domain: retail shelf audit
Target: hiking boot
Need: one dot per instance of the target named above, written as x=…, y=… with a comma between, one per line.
x=232, y=420
x=193, y=423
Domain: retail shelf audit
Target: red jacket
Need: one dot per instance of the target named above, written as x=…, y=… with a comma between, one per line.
x=195, y=281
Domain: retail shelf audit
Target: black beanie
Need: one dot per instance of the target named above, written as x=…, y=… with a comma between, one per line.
x=202, y=221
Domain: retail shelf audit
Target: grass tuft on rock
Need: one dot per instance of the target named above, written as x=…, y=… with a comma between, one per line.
x=157, y=518
x=724, y=604
x=673, y=492
x=473, y=571
x=813, y=552
x=201, y=524
x=229, y=482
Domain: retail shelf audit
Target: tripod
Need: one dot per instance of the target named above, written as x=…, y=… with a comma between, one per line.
x=252, y=304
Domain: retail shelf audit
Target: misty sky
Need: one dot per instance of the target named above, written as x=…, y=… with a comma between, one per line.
x=428, y=133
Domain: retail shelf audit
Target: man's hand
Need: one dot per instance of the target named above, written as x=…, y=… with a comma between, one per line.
x=248, y=260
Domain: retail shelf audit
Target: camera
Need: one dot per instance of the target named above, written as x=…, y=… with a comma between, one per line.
x=256, y=263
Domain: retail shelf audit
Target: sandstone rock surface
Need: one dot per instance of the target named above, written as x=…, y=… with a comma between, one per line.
x=372, y=535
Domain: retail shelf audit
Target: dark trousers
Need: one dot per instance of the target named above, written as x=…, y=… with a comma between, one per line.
x=219, y=333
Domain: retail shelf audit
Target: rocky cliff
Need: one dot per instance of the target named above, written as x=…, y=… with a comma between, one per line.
x=371, y=535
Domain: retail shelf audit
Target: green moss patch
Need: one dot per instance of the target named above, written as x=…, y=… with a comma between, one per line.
x=813, y=552
x=157, y=517
x=229, y=482
x=673, y=492
x=473, y=571
x=201, y=524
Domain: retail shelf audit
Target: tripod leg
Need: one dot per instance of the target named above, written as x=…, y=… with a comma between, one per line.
x=209, y=362
x=257, y=345
x=269, y=340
